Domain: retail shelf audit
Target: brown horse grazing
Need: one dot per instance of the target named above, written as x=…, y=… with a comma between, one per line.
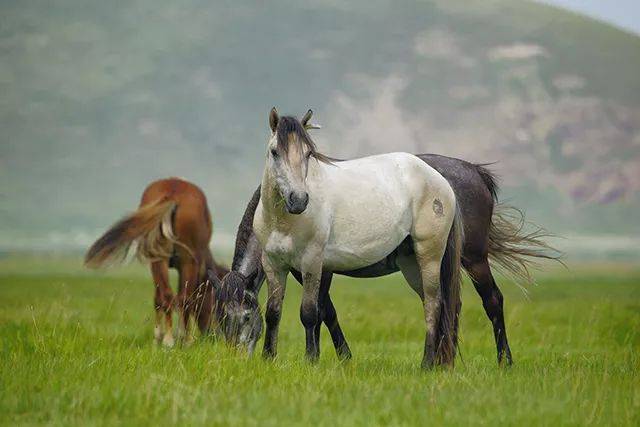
x=172, y=228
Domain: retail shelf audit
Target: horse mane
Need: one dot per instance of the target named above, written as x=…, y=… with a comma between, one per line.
x=290, y=125
x=245, y=230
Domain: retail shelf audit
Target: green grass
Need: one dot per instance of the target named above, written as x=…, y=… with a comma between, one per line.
x=76, y=348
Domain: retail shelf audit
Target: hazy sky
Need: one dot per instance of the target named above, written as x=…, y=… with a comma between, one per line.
x=623, y=13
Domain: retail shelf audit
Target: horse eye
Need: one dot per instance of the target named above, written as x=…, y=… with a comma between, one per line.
x=274, y=153
x=309, y=154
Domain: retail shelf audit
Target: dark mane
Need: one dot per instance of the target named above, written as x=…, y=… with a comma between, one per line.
x=290, y=125
x=245, y=230
x=233, y=288
x=235, y=291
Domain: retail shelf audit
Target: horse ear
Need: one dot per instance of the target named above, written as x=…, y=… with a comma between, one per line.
x=305, y=121
x=306, y=117
x=273, y=119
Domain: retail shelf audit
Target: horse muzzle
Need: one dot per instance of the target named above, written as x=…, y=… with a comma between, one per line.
x=296, y=203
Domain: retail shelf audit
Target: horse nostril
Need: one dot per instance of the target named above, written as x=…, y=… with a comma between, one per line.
x=292, y=198
x=305, y=199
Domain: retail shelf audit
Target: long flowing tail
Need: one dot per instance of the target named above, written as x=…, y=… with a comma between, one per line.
x=450, y=285
x=149, y=226
x=515, y=249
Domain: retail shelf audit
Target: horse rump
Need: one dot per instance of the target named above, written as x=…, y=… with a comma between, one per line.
x=149, y=226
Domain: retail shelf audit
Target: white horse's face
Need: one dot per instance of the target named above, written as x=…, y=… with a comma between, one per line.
x=289, y=172
x=288, y=153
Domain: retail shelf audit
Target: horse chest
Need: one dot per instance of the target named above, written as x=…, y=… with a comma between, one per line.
x=280, y=246
x=277, y=244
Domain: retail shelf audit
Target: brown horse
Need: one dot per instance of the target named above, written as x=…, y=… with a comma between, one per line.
x=172, y=228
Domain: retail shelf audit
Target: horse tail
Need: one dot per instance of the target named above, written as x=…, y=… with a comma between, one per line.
x=513, y=248
x=150, y=227
x=450, y=288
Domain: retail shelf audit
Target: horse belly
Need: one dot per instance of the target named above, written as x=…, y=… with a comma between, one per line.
x=371, y=217
x=366, y=244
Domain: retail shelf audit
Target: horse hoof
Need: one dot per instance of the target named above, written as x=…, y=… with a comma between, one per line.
x=344, y=354
x=168, y=341
x=427, y=365
x=157, y=335
x=268, y=355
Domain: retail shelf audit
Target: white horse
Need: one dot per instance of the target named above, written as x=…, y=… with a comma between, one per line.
x=315, y=215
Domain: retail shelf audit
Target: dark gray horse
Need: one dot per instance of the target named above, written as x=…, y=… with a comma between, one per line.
x=492, y=232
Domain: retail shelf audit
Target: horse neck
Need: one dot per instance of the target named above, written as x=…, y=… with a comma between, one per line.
x=247, y=252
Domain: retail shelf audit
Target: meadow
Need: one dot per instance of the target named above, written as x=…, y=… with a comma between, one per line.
x=76, y=349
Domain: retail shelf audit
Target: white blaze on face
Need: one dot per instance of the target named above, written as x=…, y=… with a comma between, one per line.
x=288, y=172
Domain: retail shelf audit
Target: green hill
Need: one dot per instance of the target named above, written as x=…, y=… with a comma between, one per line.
x=99, y=99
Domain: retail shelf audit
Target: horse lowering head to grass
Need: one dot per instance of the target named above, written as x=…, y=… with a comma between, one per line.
x=171, y=228
x=315, y=215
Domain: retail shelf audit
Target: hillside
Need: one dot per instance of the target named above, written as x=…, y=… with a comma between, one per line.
x=97, y=100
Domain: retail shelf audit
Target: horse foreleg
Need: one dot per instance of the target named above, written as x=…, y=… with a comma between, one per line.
x=204, y=306
x=329, y=316
x=276, y=283
x=330, y=319
x=310, y=306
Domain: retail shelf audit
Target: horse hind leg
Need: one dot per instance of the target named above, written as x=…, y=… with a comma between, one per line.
x=424, y=278
x=163, y=302
x=492, y=301
x=187, y=287
x=430, y=234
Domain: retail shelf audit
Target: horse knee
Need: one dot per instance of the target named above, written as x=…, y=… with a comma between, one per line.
x=309, y=314
x=163, y=302
x=273, y=312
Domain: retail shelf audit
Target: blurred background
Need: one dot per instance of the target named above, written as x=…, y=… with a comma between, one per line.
x=97, y=99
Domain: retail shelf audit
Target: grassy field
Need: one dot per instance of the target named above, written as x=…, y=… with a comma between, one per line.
x=76, y=348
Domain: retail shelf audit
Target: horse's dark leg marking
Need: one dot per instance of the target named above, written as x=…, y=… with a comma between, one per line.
x=492, y=301
x=276, y=282
x=330, y=319
x=163, y=302
x=329, y=315
x=337, y=336
x=310, y=315
x=272, y=319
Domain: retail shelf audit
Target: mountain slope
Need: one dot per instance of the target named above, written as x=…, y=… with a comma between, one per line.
x=100, y=99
